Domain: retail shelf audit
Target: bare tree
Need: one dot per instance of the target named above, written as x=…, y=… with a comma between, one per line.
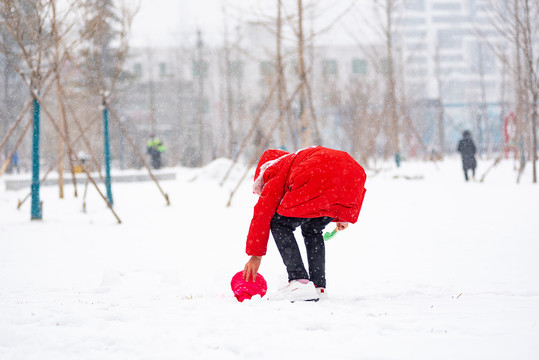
x=364, y=118
x=440, y=107
x=33, y=25
x=383, y=60
x=200, y=75
x=518, y=22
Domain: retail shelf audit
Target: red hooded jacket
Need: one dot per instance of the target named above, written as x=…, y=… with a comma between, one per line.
x=311, y=183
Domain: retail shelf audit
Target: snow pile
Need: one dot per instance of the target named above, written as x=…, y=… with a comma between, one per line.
x=436, y=268
x=220, y=168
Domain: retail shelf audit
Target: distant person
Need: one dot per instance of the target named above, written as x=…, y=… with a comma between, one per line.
x=15, y=161
x=83, y=158
x=155, y=148
x=13, y=164
x=467, y=152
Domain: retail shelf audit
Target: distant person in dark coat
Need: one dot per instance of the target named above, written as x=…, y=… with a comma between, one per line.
x=467, y=152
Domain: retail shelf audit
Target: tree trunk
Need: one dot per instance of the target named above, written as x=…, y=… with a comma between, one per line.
x=280, y=74
x=390, y=91
x=200, y=108
x=305, y=133
x=533, y=87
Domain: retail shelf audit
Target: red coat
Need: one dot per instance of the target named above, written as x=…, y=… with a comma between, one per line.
x=311, y=183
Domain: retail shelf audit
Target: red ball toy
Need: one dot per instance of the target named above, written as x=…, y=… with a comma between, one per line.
x=247, y=289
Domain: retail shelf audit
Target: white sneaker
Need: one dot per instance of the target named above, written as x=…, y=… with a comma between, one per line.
x=322, y=294
x=296, y=291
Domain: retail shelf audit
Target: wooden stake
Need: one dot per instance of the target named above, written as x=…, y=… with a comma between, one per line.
x=21, y=202
x=77, y=158
x=141, y=158
x=84, y=196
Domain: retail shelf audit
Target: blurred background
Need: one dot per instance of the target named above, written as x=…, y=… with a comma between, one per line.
x=381, y=79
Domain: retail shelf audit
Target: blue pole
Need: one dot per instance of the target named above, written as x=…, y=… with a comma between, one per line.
x=36, y=203
x=107, y=153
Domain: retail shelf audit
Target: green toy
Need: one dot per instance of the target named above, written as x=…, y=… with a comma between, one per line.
x=330, y=235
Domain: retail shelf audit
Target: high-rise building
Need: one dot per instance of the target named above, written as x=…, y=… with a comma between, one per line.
x=447, y=55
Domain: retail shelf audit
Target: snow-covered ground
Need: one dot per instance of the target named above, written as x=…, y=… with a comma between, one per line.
x=435, y=268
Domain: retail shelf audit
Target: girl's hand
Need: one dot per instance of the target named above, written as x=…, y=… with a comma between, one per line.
x=251, y=268
x=341, y=226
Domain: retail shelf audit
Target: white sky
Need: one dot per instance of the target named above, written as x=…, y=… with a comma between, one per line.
x=165, y=22
x=169, y=22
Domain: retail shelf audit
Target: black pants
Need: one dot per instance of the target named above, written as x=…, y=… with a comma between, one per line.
x=156, y=160
x=282, y=229
x=466, y=173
